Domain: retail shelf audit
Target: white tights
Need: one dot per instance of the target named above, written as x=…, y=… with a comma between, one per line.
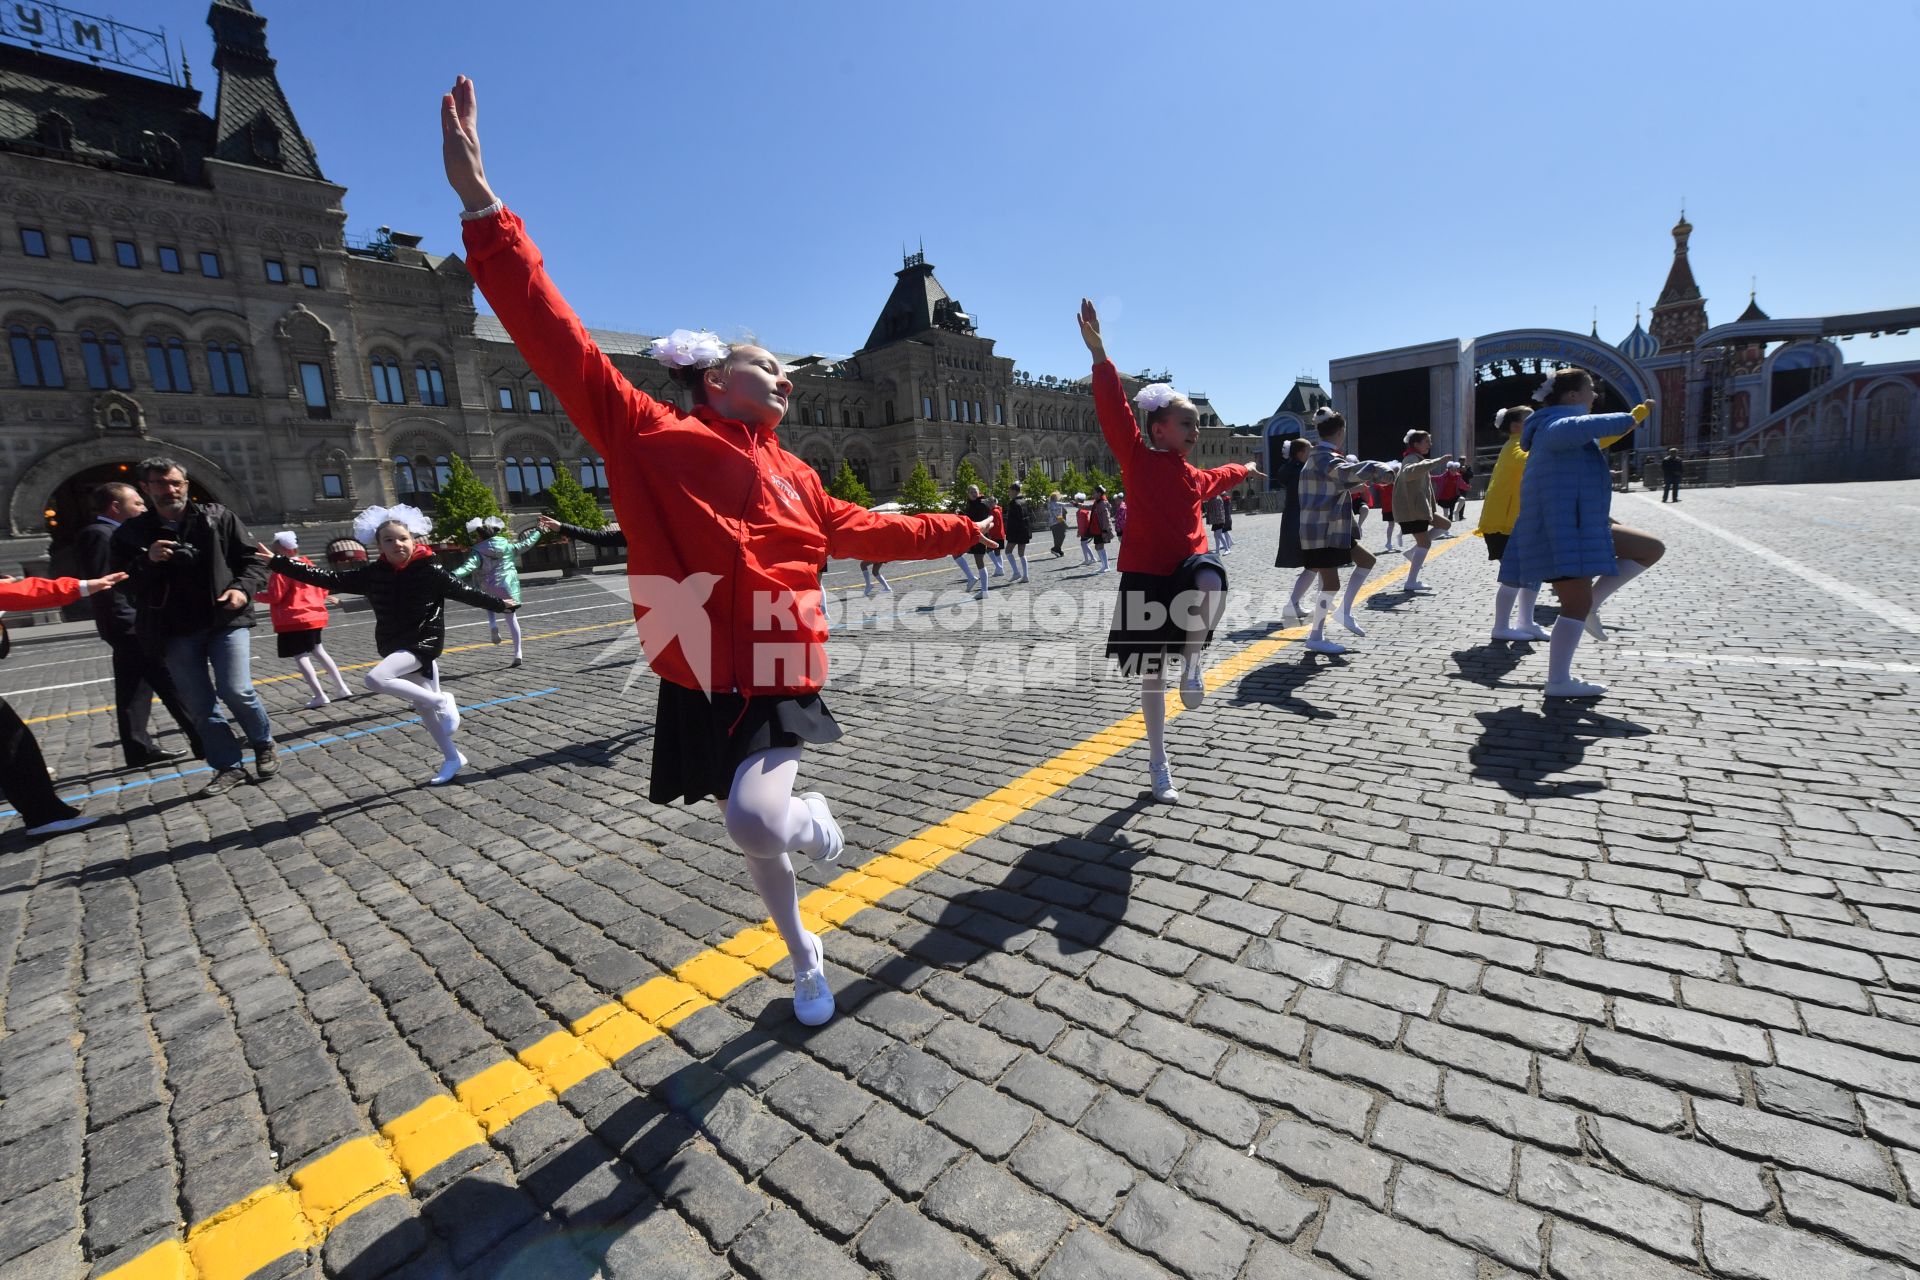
x=513, y=629
x=768, y=823
x=399, y=674
x=1210, y=588
x=305, y=663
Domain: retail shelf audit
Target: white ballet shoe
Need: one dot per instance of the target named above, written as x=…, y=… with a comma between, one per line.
x=870, y=590
x=449, y=769
x=1345, y=619
x=834, y=843
x=1574, y=689
x=317, y=701
x=1325, y=646
x=1537, y=631
x=518, y=661
x=1516, y=633
x=1418, y=589
x=1193, y=688
x=812, y=994
x=343, y=695
x=1593, y=626
x=1160, y=776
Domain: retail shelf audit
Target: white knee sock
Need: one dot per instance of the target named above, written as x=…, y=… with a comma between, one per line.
x=882, y=579
x=513, y=627
x=305, y=663
x=1523, y=606
x=1320, y=611
x=333, y=669
x=1353, y=589
x=1103, y=558
x=1153, y=709
x=1566, y=638
x=965, y=568
x=1606, y=585
x=1503, y=600
x=1297, y=600
x=1415, y=558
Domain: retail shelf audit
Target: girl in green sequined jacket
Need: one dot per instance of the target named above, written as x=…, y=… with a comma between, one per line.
x=495, y=562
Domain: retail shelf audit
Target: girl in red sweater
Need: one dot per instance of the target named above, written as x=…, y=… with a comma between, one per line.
x=1172, y=588
x=727, y=535
x=299, y=612
x=24, y=779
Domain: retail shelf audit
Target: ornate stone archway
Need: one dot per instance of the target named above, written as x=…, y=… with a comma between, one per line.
x=36, y=484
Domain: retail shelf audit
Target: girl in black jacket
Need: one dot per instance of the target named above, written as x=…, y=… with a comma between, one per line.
x=407, y=591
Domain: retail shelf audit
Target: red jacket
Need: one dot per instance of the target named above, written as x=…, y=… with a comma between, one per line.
x=1383, y=497
x=1083, y=521
x=39, y=593
x=1165, y=491
x=999, y=525
x=295, y=605
x=1448, y=486
x=727, y=532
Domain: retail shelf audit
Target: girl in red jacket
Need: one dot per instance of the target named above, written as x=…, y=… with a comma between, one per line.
x=727, y=534
x=1172, y=588
x=299, y=612
x=24, y=779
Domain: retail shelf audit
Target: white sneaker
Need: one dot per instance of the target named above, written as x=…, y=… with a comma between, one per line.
x=1325, y=646
x=317, y=701
x=1593, y=626
x=1537, y=631
x=1345, y=619
x=343, y=695
x=58, y=825
x=1515, y=633
x=1193, y=688
x=1418, y=589
x=836, y=843
x=812, y=994
x=1574, y=689
x=447, y=716
x=1292, y=614
x=449, y=769
x=1161, y=777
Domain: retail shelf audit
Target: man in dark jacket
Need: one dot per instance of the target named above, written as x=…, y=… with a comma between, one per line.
x=1019, y=533
x=194, y=575
x=1672, y=467
x=138, y=674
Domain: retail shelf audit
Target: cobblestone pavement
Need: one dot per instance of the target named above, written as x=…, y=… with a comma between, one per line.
x=1420, y=979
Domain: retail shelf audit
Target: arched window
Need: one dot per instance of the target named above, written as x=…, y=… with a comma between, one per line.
x=106, y=361
x=511, y=474
x=442, y=472
x=430, y=387
x=167, y=365
x=387, y=388
x=546, y=474
x=36, y=360
x=593, y=474
x=403, y=476
x=227, y=369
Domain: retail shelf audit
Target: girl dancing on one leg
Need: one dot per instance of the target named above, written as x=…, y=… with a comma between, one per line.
x=407, y=591
x=1326, y=524
x=728, y=535
x=496, y=562
x=1289, y=556
x=299, y=612
x=1563, y=533
x=1172, y=589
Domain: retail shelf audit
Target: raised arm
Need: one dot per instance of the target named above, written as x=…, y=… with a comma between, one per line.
x=1218, y=480
x=526, y=541
x=507, y=266
x=1110, y=405
x=1573, y=432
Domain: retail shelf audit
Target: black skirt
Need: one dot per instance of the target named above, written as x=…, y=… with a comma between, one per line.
x=1326, y=557
x=292, y=644
x=1496, y=544
x=699, y=741
x=1146, y=625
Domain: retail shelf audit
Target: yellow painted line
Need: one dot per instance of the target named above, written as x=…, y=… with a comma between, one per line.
x=317, y=1197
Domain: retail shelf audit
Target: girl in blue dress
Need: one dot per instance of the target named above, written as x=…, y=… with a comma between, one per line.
x=1564, y=533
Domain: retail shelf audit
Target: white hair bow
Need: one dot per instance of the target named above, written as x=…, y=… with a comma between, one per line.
x=1323, y=414
x=366, y=525
x=689, y=349
x=1545, y=389
x=1155, y=396
x=286, y=538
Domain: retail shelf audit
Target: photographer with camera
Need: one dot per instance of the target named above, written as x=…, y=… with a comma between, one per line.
x=193, y=578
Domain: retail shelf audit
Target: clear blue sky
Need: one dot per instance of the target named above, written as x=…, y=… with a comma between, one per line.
x=1248, y=189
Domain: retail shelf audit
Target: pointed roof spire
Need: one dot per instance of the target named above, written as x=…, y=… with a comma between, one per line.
x=253, y=124
x=1596, y=322
x=1753, y=311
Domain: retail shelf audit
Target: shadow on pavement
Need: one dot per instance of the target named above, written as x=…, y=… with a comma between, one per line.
x=1530, y=752
x=1492, y=662
x=1278, y=683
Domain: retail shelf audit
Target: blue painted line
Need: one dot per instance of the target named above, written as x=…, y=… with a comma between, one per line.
x=328, y=741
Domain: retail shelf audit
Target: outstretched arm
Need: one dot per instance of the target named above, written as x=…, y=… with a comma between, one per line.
x=526, y=540
x=505, y=264
x=1219, y=480
x=331, y=579
x=466, y=568
x=455, y=589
